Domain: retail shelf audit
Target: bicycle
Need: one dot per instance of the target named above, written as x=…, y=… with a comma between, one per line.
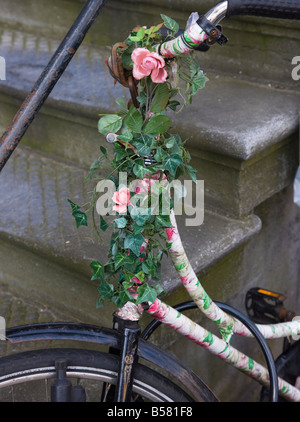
x=127, y=345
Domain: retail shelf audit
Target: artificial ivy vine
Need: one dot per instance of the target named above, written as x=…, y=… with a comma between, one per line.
x=152, y=157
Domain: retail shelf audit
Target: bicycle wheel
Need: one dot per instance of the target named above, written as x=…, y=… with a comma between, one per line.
x=28, y=376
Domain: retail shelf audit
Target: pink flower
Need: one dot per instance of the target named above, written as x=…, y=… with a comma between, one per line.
x=154, y=307
x=134, y=289
x=146, y=185
x=143, y=250
x=122, y=198
x=146, y=63
x=170, y=233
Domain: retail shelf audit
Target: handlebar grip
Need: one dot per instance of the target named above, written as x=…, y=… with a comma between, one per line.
x=164, y=32
x=282, y=9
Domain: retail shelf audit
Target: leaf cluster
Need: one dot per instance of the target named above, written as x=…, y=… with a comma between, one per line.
x=138, y=241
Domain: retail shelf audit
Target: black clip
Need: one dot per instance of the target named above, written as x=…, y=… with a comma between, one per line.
x=214, y=32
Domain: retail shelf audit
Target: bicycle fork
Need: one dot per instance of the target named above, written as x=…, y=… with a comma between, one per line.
x=130, y=331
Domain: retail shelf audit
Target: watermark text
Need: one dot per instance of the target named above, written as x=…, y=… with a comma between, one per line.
x=296, y=69
x=2, y=69
x=152, y=197
x=2, y=328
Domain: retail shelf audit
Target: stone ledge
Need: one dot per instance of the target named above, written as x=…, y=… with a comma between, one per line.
x=36, y=215
x=239, y=119
x=230, y=125
x=230, y=117
x=259, y=49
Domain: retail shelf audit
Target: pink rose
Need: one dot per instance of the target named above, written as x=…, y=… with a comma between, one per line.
x=146, y=185
x=146, y=63
x=122, y=198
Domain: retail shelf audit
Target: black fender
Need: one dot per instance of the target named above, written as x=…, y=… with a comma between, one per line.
x=104, y=336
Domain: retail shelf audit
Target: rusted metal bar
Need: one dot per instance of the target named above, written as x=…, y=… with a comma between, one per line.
x=46, y=82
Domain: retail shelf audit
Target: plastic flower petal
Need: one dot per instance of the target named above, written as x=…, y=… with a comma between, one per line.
x=146, y=63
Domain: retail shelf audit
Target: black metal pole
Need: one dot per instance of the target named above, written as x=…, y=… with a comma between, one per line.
x=130, y=331
x=46, y=82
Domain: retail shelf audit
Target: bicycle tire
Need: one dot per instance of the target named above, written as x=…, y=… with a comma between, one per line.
x=39, y=366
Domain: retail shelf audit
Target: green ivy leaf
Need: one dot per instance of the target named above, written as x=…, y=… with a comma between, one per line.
x=161, y=98
x=170, y=142
x=144, y=144
x=170, y=24
x=172, y=162
x=103, y=150
x=146, y=294
x=173, y=104
x=139, y=215
x=200, y=80
x=134, y=243
x=74, y=206
x=134, y=120
x=140, y=33
x=163, y=221
x=191, y=172
x=109, y=123
x=121, y=102
x=98, y=270
x=157, y=125
x=138, y=229
x=81, y=218
x=120, y=152
x=126, y=137
x=140, y=275
x=121, y=259
x=134, y=38
x=142, y=98
x=148, y=267
x=103, y=224
x=140, y=171
x=120, y=222
x=106, y=290
x=121, y=298
x=99, y=302
x=160, y=154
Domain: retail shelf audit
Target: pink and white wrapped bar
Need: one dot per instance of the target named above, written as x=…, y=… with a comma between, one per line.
x=192, y=37
x=219, y=347
x=228, y=325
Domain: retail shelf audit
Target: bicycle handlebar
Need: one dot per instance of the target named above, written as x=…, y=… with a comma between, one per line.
x=207, y=25
x=282, y=9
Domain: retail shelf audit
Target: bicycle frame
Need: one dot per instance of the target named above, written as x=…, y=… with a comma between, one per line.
x=227, y=324
x=194, y=35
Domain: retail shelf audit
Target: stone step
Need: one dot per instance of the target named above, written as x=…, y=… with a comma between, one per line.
x=259, y=48
x=234, y=129
x=45, y=256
